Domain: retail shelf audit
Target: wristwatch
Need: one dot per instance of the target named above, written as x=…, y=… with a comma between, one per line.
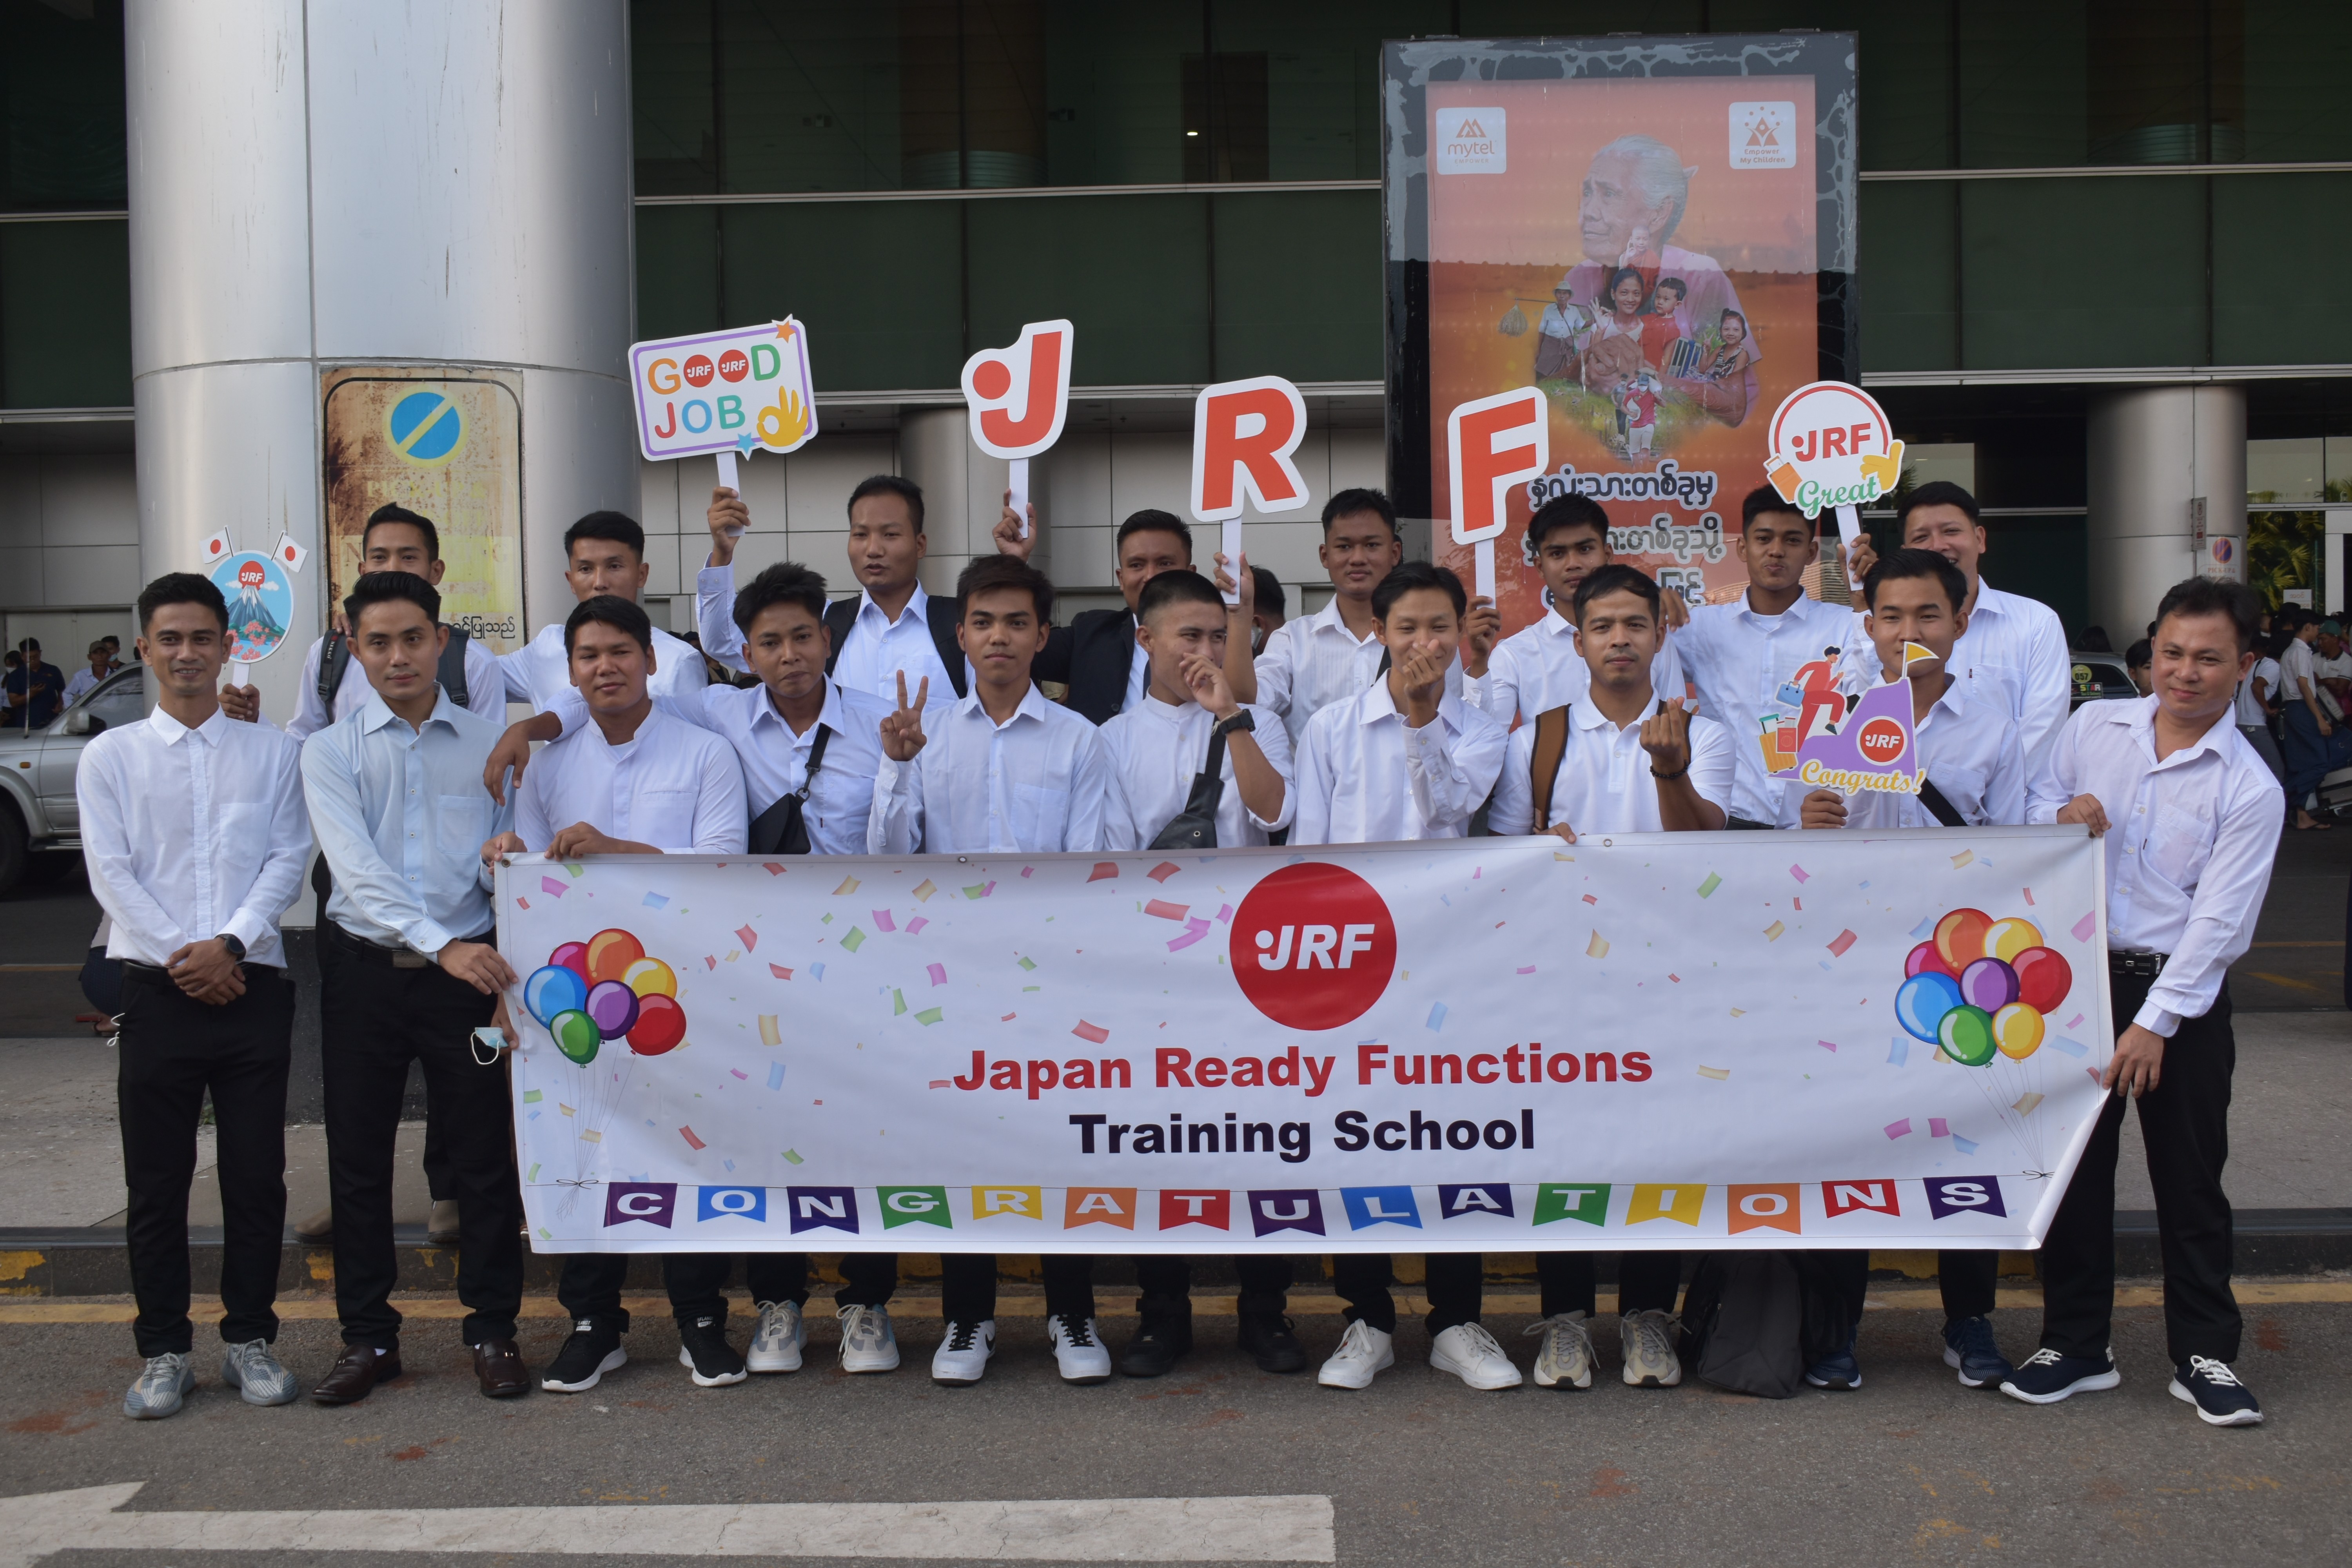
x=235, y=948
x=1241, y=720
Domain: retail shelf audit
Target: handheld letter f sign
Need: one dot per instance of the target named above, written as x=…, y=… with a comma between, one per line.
x=1492, y=443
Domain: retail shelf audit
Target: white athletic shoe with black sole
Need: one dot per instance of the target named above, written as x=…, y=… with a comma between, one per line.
x=1080, y=1355
x=2220, y=1399
x=961, y=1359
x=2045, y=1377
x=777, y=1342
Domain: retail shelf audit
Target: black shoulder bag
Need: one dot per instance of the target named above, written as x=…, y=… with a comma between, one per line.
x=1195, y=827
x=780, y=829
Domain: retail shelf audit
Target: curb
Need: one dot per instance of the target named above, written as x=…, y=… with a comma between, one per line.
x=95, y=1262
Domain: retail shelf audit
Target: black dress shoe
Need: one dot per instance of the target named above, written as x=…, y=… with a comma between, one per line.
x=1159, y=1344
x=355, y=1372
x=1269, y=1340
x=497, y=1367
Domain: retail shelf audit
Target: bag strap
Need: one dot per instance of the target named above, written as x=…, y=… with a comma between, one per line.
x=1937, y=806
x=839, y=616
x=452, y=672
x=816, y=761
x=1551, y=747
x=334, y=658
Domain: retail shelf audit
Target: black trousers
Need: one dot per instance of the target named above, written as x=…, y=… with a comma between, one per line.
x=591, y=1283
x=1966, y=1279
x=1455, y=1284
x=2185, y=1123
x=377, y=1019
x=968, y=1286
x=1167, y=1285
x=173, y=1049
x=1645, y=1281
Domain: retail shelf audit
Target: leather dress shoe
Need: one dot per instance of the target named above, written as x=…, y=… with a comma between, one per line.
x=497, y=1367
x=355, y=1372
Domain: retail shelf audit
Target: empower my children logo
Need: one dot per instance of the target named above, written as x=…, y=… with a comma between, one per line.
x=1313, y=946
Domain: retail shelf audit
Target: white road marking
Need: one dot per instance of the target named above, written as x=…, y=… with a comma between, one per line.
x=1113, y=1530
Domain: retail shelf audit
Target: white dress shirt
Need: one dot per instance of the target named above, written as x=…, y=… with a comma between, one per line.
x=402, y=817
x=486, y=689
x=776, y=761
x=1604, y=784
x=2299, y=667
x=85, y=680
x=1537, y=668
x=2013, y=643
x=674, y=785
x=1365, y=778
x=540, y=671
x=2251, y=708
x=1311, y=662
x=2190, y=845
x=869, y=658
x=1969, y=742
x=1739, y=659
x=1157, y=750
x=190, y=834
x=1036, y=783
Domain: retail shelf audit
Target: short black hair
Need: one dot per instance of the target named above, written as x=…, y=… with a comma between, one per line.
x=2140, y=655
x=907, y=491
x=383, y=587
x=1681, y=289
x=1347, y=502
x=617, y=527
x=1411, y=575
x=394, y=512
x=1937, y=493
x=1764, y=501
x=1180, y=587
x=1898, y=564
x=786, y=583
x=1616, y=578
x=988, y=572
x=1151, y=520
x=1265, y=588
x=1566, y=511
x=180, y=589
x=611, y=610
x=2203, y=596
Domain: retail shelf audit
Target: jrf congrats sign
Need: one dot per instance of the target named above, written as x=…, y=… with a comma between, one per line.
x=1707, y=1040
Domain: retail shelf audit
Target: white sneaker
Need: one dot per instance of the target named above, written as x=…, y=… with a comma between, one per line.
x=1565, y=1358
x=963, y=1355
x=1649, y=1344
x=1363, y=1351
x=1078, y=1351
x=1470, y=1353
x=867, y=1342
x=776, y=1343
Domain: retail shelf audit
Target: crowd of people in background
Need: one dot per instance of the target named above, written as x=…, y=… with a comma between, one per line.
x=898, y=722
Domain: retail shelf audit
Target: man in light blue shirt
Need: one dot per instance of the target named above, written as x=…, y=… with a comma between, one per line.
x=410, y=970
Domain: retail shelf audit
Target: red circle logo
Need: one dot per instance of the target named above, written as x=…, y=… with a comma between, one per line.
x=992, y=379
x=1313, y=946
x=734, y=365
x=698, y=371
x=1881, y=741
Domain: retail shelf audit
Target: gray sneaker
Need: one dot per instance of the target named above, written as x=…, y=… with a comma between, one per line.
x=258, y=1376
x=160, y=1388
x=1649, y=1344
x=1565, y=1360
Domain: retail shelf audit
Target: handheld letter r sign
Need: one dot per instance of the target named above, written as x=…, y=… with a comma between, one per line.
x=1243, y=435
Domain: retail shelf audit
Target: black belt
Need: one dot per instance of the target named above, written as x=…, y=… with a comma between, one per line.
x=157, y=975
x=2136, y=964
x=394, y=957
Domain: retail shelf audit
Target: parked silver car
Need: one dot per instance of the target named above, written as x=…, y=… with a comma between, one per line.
x=38, y=811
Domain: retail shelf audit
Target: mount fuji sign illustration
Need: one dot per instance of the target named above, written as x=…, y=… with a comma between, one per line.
x=1817, y=736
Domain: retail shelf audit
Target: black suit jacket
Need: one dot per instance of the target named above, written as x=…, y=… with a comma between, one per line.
x=1092, y=656
x=942, y=613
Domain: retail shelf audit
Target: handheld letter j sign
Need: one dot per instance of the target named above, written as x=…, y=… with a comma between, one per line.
x=1018, y=398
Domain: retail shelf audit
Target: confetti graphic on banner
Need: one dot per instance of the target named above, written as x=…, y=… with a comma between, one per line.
x=854, y=940
x=1706, y=889
x=1165, y=869
x=769, y=1033
x=882, y=921
x=552, y=888
x=1166, y=911
x=691, y=1140
x=654, y=901
x=1962, y=858
x=775, y=1075
x=1194, y=930
x=938, y=972
x=1799, y=873
x=1436, y=1017
x=980, y=889
x=915, y=926
x=1845, y=939
x=1104, y=871
x=930, y=1016
x=1717, y=1073
x=1899, y=1129
x=924, y=889
x=780, y=972
x=2086, y=925
x=1598, y=947
x=1093, y=1034
x=1938, y=1128
x=750, y=939
x=1774, y=932
x=849, y=886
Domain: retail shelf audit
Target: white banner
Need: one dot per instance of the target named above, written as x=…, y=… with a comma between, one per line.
x=1697, y=1040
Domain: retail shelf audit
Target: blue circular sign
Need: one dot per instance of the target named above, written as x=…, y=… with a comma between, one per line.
x=260, y=605
x=425, y=427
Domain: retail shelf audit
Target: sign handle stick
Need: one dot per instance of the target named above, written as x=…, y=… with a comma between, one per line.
x=1482, y=568
x=1017, y=481
x=1849, y=533
x=727, y=471
x=1230, y=543
x=239, y=675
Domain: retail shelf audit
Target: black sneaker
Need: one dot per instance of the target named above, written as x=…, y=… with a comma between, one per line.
x=1269, y=1339
x=2048, y=1377
x=1159, y=1342
x=2220, y=1399
x=592, y=1349
x=702, y=1348
x=1969, y=1346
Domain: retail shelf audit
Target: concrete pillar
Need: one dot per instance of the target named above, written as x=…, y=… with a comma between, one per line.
x=964, y=492
x=441, y=184
x=2154, y=451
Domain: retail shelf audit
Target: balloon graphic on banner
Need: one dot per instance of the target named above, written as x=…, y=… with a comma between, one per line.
x=613, y=1006
x=576, y=1036
x=1980, y=991
x=552, y=989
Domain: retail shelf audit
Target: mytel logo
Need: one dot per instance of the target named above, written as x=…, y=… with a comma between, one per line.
x=1313, y=946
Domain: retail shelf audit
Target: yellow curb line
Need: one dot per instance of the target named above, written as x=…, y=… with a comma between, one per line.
x=315, y=1309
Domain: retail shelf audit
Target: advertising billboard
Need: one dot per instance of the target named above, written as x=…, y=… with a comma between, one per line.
x=1657, y=235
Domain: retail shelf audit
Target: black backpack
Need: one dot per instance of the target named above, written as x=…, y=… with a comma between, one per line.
x=1753, y=1321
